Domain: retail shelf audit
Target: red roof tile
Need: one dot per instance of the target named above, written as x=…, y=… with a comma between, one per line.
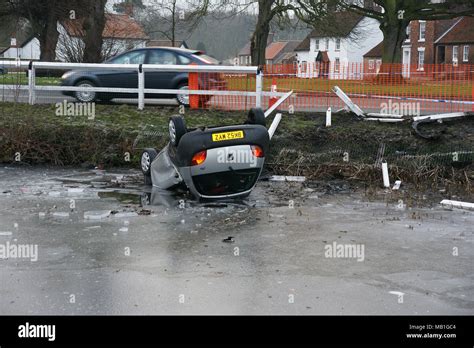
x=117, y=26
x=462, y=32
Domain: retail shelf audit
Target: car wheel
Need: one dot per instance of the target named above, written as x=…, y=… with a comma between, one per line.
x=148, y=156
x=256, y=116
x=177, y=128
x=85, y=96
x=183, y=99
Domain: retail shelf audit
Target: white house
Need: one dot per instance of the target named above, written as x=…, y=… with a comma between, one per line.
x=332, y=52
x=28, y=50
x=121, y=33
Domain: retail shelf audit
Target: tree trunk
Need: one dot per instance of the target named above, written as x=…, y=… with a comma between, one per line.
x=259, y=39
x=93, y=27
x=173, y=24
x=394, y=33
x=48, y=39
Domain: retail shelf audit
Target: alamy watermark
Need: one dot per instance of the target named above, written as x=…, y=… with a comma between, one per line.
x=400, y=109
x=345, y=251
x=19, y=251
x=236, y=156
x=66, y=108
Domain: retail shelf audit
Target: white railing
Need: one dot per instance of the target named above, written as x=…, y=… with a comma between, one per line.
x=141, y=69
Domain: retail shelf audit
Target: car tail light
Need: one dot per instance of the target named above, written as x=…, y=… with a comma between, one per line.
x=199, y=158
x=257, y=151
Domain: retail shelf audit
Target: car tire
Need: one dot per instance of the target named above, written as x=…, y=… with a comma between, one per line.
x=177, y=128
x=256, y=116
x=148, y=155
x=85, y=97
x=182, y=99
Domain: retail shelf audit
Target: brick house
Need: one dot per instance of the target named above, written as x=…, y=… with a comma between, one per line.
x=373, y=61
x=449, y=41
x=456, y=45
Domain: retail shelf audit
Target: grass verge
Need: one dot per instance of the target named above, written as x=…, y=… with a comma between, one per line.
x=302, y=145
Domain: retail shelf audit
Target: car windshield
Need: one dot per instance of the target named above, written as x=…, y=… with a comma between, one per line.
x=205, y=58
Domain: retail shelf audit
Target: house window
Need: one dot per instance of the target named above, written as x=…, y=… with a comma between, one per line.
x=316, y=45
x=408, y=32
x=327, y=44
x=379, y=64
x=421, y=59
x=465, y=54
x=422, y=30
x=338, y=44
x=455, y=54
x=371, y=64
x=337, y=64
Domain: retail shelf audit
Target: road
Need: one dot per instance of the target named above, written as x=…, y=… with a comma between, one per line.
x=300, y=101
x=157, y=253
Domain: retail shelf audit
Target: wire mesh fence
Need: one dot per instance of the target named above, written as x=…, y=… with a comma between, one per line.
x=436, y=88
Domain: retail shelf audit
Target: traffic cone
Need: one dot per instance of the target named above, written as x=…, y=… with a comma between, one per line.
x=273, y=89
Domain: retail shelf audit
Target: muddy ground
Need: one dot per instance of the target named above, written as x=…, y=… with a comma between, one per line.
x=164, y=253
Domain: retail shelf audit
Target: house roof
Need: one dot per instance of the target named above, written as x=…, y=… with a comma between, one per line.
x=339, y=24
x=27, y=41
x=21, y=45
x=245, y=51
x=444, y=25
x=461, y=32
x=323, y=57
x=117, y=26
x=166, y=43
x=285, y=57
x=274, y=49
x=375, y=52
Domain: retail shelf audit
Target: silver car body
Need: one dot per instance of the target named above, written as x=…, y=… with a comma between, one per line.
x=218, y=160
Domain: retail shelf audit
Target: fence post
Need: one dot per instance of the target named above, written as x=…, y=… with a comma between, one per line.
x=141, y=88
x=31, y=84
x=258, y=88
x=193, y=84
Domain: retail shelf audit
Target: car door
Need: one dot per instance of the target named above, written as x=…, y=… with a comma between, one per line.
x=123, y=78
x=161, y=79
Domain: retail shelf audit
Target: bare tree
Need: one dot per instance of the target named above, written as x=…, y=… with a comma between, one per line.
x=394, y=16
x=168, y=19
x=42, y=16
x=268, y=11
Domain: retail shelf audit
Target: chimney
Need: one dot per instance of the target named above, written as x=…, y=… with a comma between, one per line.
x=128, y=9
x=13, y=40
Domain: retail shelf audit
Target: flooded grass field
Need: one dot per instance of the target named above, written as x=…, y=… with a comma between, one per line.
x=107, y=244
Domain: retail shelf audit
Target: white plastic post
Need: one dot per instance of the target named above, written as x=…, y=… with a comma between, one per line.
x=328, y=117
x=274, y=125
x=31, y=84
x=386, y=179
x=258, y=88
x=141, y=88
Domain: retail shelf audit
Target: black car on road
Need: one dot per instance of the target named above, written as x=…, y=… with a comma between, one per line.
x=153, y=79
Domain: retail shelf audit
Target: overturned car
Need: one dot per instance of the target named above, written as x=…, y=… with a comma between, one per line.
x=213, y=162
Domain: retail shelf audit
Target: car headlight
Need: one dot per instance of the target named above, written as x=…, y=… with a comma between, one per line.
x=67, y=74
